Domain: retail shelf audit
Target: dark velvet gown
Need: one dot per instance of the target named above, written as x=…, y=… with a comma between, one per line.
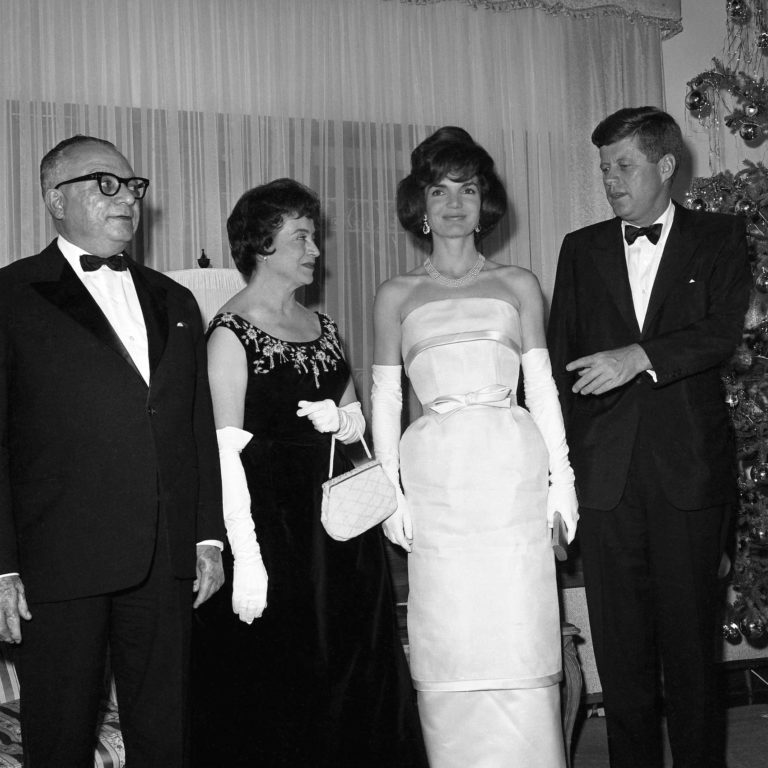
x=320, y=680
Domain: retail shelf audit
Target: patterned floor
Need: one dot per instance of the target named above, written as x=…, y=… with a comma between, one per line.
x=747, y=740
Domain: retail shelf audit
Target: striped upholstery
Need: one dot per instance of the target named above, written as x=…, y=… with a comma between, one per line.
x=109, y=753
x=9, y=681
x=10, y=736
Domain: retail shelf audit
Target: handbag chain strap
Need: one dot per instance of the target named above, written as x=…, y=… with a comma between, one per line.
x=333, y=450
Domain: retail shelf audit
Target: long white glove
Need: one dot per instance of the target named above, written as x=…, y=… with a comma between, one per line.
x=387, y=402
x=249, y=581
x=544, y=406
x=347, y=422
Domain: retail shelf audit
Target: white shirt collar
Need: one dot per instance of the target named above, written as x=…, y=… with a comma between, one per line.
x=72, y=253
x=665, y=220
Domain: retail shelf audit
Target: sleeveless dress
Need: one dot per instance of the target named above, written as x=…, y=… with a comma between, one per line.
x=320, y=680
x=483, y=616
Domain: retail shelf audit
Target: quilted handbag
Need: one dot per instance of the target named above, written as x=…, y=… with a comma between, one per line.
x=357, y=500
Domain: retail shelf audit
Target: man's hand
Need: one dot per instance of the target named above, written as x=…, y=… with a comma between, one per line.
x=210, y=573
x=13, y=608
x=604, y=371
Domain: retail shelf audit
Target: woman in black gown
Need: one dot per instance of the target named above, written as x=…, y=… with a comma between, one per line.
x=319, y=680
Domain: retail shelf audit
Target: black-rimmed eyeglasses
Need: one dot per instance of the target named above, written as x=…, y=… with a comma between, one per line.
x=109, y=184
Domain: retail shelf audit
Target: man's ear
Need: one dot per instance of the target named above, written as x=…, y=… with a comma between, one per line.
x=666, y=166
x=55, y=203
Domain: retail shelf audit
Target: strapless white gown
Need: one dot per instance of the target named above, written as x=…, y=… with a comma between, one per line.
x=483, y=617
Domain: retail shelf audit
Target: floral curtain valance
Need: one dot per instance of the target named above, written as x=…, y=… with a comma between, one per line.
x=665, y=14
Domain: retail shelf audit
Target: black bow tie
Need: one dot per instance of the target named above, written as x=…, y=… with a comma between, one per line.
x=653, y=233
x=91, y=263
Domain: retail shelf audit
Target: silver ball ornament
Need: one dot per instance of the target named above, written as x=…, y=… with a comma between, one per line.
x=695, y=100
x=731, y=399
x=749, y=131
x=750, y=110
x=745, y=207
x=752, y=629
x=737, y=10
x=698, y=205
x=731, y=632
x=758, y=535
x=759, y=473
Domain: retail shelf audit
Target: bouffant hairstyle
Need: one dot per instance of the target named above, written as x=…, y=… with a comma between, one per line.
x=450, y=152
x=260, y=213
x=656, y=131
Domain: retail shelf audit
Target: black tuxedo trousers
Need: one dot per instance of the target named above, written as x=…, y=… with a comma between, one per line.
x=650, y=574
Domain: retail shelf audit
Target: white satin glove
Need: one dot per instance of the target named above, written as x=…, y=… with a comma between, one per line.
x=347, y=422
x=249, y=580
x=387, y=404
x=544, y=406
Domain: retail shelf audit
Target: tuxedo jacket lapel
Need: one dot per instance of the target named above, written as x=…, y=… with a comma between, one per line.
x=678, y=250
x=154, y=307
x=68, y=294
x=609, y=260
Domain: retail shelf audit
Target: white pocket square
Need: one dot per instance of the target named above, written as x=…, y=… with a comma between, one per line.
x=181, y=325
x=692, y=280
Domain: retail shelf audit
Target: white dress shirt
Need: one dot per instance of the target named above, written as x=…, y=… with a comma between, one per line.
x=116, y=296
x=643, y=258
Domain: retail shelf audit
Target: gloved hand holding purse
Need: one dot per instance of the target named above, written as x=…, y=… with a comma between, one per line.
x=346, y=422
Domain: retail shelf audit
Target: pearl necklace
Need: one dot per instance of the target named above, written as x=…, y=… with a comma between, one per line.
x=455, y=282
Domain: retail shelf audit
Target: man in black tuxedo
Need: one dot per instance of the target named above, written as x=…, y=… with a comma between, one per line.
x=641, y=322
x=110, y=497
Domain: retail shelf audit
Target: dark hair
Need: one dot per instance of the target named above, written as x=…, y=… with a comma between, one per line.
x=450, y=152
x=657, y=132
x=261, y=212
x=49, y=165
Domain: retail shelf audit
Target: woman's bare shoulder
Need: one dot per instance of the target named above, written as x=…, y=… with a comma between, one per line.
x=398, y=288
x=518, y=278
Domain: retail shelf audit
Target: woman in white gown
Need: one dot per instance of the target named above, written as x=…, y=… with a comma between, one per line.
x=482, y=477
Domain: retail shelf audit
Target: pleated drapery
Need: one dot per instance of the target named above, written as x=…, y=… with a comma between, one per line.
x=208, y=99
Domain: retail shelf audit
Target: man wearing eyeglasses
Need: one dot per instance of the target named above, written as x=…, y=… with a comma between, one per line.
x=110, y=499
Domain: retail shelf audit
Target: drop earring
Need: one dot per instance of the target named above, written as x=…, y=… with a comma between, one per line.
x=477, y=229
x=425, y=228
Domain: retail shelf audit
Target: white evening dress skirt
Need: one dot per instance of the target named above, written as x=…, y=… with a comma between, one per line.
x=483, y=617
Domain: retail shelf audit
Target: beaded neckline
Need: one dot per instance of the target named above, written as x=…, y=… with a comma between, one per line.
x=278, y=339
x=455, y=282
x=269, y=352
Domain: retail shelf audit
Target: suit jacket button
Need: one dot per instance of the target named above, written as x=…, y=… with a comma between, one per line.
x=151, y=411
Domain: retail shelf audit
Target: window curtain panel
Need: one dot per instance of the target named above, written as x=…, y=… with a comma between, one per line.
x=208, y=99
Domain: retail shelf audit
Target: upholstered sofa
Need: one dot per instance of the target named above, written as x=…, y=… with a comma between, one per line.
x=109, y=751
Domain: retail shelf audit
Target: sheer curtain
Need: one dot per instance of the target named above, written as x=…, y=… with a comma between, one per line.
x=210, y=98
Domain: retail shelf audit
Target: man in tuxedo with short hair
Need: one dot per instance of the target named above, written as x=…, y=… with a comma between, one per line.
x=110, y=497
x=646, y=308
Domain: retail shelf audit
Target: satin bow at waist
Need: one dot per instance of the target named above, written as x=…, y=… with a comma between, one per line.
x=495, y=395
